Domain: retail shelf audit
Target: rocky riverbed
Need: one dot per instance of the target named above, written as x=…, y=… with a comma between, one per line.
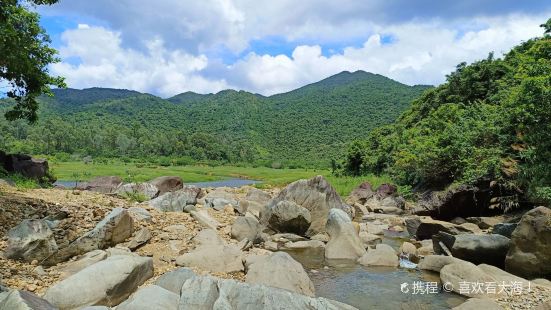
x=244, y=248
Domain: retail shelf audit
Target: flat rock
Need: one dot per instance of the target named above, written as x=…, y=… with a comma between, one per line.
x=22, y=300
x=455, y=274
x=82, y=262
x=282, y=271
x=151, y=297
x=206, y=293
x=142, y=237
x=382, y=255
x=173, y=280
x=477, y=249
x=436, y=262
x=106, y=283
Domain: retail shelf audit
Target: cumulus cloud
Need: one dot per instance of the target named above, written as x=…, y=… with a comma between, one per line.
x=168, y=47
x=102, y=61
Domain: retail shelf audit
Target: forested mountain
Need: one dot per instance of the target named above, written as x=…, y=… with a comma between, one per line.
x=304, y=127
x=491, y=121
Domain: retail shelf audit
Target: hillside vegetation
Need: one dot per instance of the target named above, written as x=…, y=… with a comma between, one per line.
x=305, y=127
x=491, y=121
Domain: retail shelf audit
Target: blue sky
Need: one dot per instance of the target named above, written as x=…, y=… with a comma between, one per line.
x=167, y=47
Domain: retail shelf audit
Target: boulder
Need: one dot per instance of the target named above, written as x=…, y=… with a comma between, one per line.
x=167, y=184
x=463, y=201
x=141, y=237
x=147, y=190
x=287, y=216
x=203, y=217
x=257, y=195
x=502, y=276
x=316, y=195
x=369, y=239
x=530, y=251
x=173, y=280
x=479, y=303
x=31, y=240
x=386, y=190
x=25, y=165
x=428, y=227
x=151, y=297
x=436, y=262
x=282, y=271
x=477, y=249
x=22, y=300
x=206, y=293
x=104, y=185
x=455, y=274
x=176, y=201
x=504, y=229
x=106, y=283
x=310, y=244
x=218, y=203
x=245, y=227
x=484, y=222
x=344, y=242
x=82, y=262
x=382, y=255
x=360, y=194
x=408, y=248
x=115, y=228
x=212, y=254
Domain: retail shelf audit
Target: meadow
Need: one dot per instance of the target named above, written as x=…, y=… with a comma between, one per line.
x=136, y=172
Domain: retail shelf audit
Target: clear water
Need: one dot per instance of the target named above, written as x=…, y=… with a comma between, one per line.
x=371, y=287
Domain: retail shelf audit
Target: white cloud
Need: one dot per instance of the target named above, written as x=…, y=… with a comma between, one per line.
x=420, y=53
x=103, y=62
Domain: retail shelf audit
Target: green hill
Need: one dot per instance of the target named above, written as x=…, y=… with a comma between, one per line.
x=305, y=127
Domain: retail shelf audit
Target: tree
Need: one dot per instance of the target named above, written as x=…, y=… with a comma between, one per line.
x=26, y=54
x=546, y=27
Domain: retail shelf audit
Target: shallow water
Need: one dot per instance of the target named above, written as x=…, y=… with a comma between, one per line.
x=220, y=183
x=372, y=287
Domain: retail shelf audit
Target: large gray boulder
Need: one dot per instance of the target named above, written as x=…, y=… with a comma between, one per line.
x=104, y=185
x=530, y=253
x=22, y=300
x=106, y=283
x=167, y=184
x=477, y=249
x=316, y=195
x=282, y=271
x=382, y=255
x=176, y=201
x=427, y=227
x=287, y=216
x=212, y=254
x=246, y=227
x=147, y=190
x=115, y=228
x=31, y=240
x=504, y=229
x=344, y=242
x=207, y=293
x=151, y=297
x=173, y=280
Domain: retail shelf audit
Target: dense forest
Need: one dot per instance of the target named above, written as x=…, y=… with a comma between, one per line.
x=305, y=127
x=491, y=120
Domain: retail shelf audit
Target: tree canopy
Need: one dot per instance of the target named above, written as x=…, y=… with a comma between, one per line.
x=491, y=120
x=25, y=56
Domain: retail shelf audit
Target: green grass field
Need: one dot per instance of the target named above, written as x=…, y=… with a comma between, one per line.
x=69, y=171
